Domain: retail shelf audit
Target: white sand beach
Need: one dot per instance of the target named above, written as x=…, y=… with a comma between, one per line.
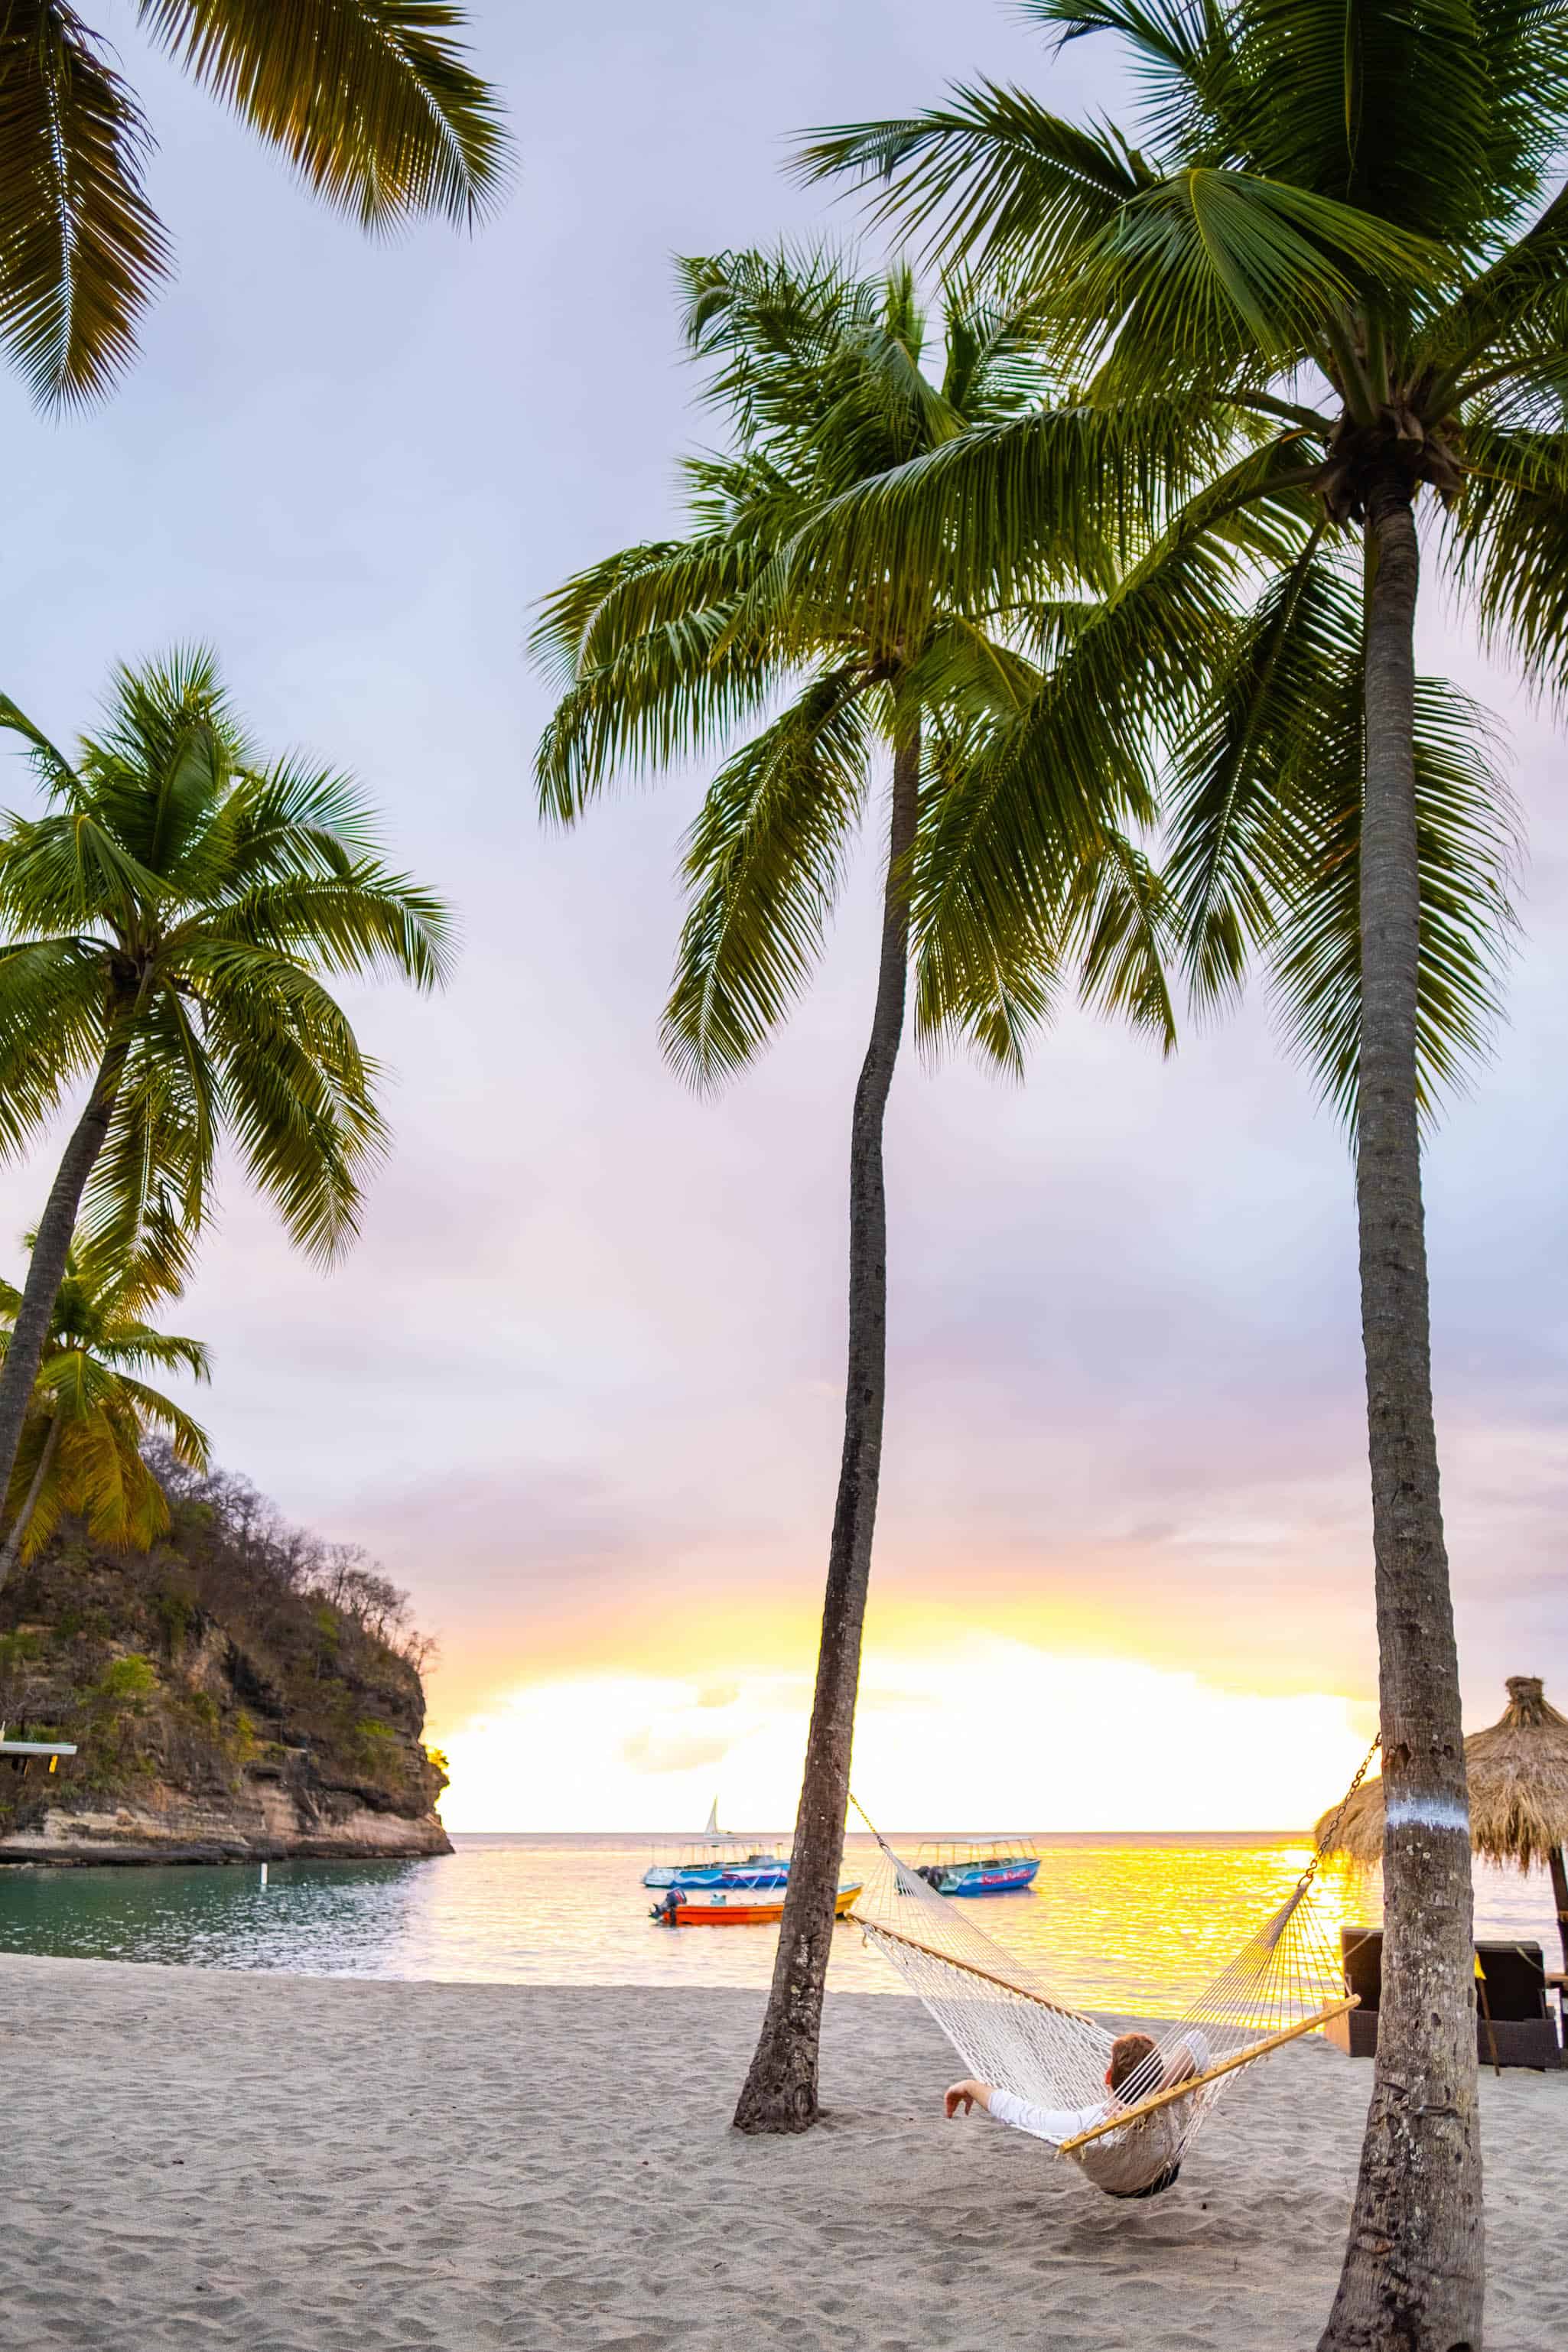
x=285, y=2164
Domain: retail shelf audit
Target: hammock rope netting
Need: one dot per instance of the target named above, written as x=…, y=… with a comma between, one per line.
x=1011, y=2029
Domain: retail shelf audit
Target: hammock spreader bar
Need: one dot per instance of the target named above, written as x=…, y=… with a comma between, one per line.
x=1167, y=2098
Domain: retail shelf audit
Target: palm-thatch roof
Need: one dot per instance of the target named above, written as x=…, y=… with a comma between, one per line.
x=1518, y=1772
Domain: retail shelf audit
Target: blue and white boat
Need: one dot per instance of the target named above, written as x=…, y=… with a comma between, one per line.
x=706, y=1860
x=1003, y=1866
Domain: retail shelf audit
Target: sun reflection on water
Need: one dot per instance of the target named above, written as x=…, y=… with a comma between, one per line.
x=1137, y=1924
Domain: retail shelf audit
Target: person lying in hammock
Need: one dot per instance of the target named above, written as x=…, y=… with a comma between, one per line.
x=1138, y=2162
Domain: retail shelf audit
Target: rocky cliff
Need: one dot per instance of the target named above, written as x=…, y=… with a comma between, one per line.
x=241, y=1692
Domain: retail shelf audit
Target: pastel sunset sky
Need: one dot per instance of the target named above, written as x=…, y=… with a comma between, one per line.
x=579, y=1387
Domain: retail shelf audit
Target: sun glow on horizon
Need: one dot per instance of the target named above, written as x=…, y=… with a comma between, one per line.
x=992, y=1732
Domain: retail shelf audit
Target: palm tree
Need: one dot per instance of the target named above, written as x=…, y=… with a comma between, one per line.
x=166, y=922
x=371, y=101
x=1325, y=293
x=664, y=650
x=81, y=1443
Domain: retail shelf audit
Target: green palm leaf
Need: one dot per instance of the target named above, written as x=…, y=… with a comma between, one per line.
x=81, y=252
x=51, y=1030
x=1121, y=905
x=1232, y=852
x=371, y=101
x=81, y=1448
x=1009, y=180
x=1214, y=269
x=1264, y=857
x=1508, y=537
x=1467, y=852
x=764, y=861
x=208, y=898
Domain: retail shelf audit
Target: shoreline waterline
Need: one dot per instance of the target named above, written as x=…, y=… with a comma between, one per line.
x=1120, y=1925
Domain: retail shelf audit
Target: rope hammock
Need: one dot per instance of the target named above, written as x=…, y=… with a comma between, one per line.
x=1012, y=2031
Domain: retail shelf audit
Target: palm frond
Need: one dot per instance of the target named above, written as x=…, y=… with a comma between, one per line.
x=602, y=611
x=1509, y=538
x=127, y=1343
x=1467, y=839
x=1506, y=311
x=371, y=101
x=52, y=1031
x=359, y=921
x=90, y=1412
x=764, y=860
x=1059, y=499
x=989, y=986
x=993, y=178
x=298, y=1098
x=1232, y=853
x=171, y=921
x=149, y=1190
x=663, y=693
x=55, y=773
x=1329, y=79
x=1192, y=85
x=294, y=818
x=994, y=367
x=1121, y=920
x=153, y=1411
x=70, y=873
x=81, y=251
x=1214, y=269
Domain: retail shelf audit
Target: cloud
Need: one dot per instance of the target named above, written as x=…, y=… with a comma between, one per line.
x=979, y=1733
x=666, y=1747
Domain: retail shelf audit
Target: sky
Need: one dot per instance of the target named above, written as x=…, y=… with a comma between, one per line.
x=579, y=1386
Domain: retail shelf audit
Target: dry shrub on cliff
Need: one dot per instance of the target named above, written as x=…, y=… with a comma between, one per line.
x=272, y=1559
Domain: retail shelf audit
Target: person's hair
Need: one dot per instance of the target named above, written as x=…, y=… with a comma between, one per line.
x=1128, y=2053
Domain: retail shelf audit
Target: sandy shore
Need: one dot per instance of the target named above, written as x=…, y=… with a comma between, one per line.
x=283, y=2164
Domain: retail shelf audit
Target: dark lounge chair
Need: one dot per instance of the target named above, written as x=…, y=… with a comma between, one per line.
x=1518, y=2031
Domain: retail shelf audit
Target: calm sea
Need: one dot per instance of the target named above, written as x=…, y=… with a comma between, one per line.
x=1131, y=1923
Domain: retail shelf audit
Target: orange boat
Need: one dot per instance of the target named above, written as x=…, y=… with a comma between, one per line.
x=736, y=1906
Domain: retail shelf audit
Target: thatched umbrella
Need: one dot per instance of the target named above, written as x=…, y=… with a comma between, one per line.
x=1518, y=1772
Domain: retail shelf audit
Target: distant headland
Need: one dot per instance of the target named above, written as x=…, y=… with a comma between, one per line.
x=241, y=1692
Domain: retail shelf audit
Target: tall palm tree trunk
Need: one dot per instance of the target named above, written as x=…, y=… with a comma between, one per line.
x=1413, y=2275
x=45, y=1462
x=45, y=1269
x=780, y=2092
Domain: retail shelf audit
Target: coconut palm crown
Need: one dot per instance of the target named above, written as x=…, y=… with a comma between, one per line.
x=90, y=1412
x=371, y=101
x=168, y=923
x=668, y=648
x=677, y=648
x=1322, y=282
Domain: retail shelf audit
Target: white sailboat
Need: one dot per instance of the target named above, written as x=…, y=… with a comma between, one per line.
x=717, y=1851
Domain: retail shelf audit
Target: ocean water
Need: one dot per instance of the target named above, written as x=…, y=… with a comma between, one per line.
x=1119, y=1922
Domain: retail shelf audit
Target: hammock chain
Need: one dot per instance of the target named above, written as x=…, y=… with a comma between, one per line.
x=1326, y=1842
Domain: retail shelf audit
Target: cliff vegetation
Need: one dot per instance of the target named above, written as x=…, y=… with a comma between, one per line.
x=241, y=1689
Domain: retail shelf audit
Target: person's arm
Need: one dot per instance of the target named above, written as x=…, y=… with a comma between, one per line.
x=1054, y=2124
x=1190, y=2057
